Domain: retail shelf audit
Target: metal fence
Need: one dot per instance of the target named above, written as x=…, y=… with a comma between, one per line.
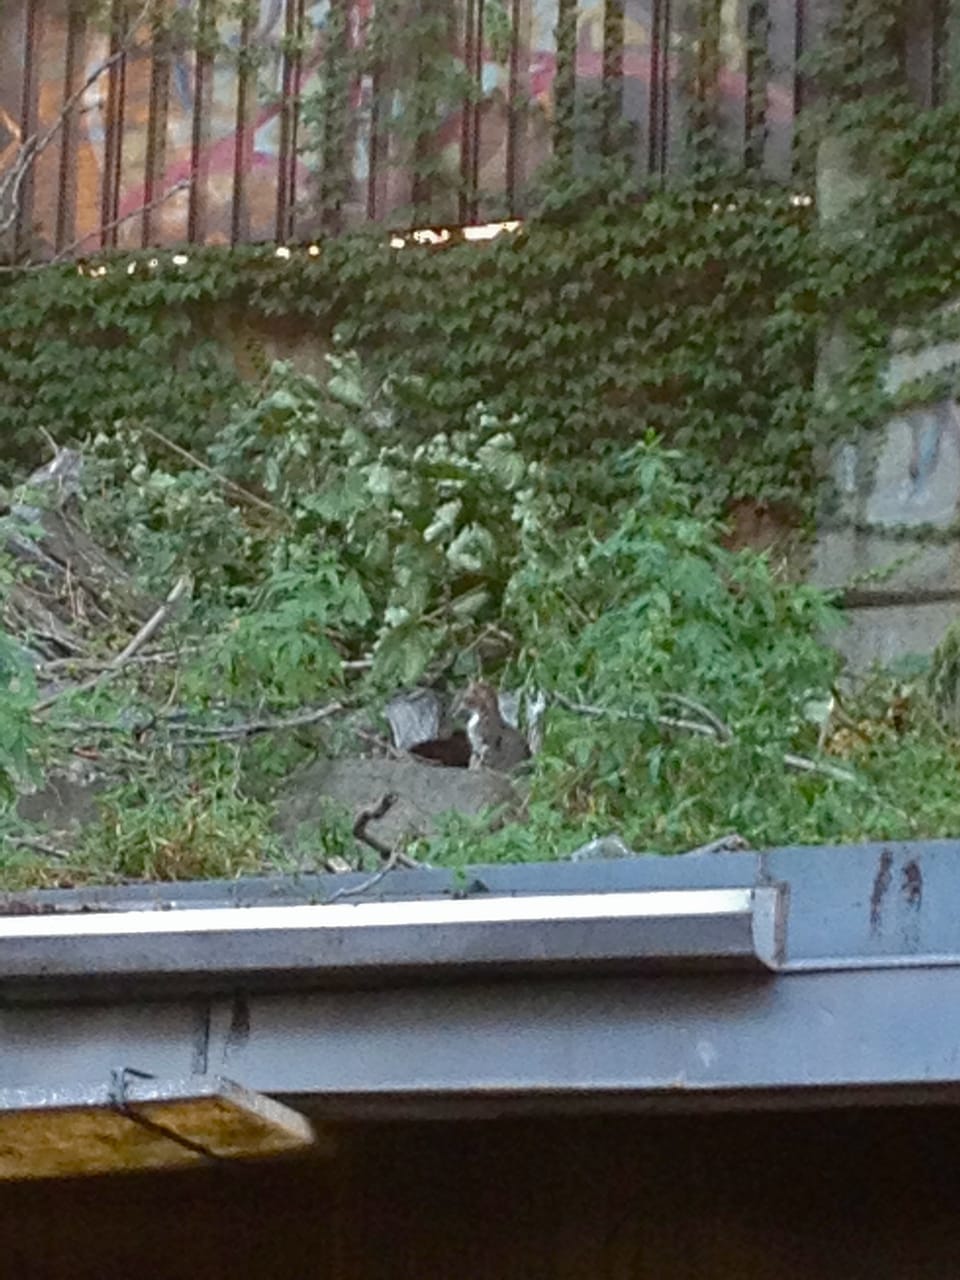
x=291, y=121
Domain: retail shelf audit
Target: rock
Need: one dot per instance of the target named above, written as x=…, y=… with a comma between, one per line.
x=415, y=716
x=424, y=794
x=601, y=847
x=64, y=803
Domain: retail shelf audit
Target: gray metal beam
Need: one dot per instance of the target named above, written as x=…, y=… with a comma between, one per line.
x=377, y=943
x=661, y=1038
x=865, y=999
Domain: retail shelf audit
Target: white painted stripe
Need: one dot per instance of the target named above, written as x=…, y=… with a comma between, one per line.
x=528, y=909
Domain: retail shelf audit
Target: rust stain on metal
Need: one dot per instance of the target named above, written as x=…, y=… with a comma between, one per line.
x=911, y=884
x=239, y=1032
x=881, y=886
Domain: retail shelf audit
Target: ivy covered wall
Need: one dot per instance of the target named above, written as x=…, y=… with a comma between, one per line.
x=701, y=311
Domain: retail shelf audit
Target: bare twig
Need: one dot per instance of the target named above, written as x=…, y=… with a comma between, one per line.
x=722, y=728
x=38, y=846
x=617, y=713
x=360, y=832
x=229, y=732
x=394, y=857
x=801, y=764
x=689, y=726
x=194, y=461
x=146, y=633
x=176, y=721
x=353, y=891
x=68, y=252
x=153, y=624
x=103, y=664
x=33, y=147
x=366, y=816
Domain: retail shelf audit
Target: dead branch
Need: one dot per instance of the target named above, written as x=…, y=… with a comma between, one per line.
x=617, y=713
x=146, y=633
x=69, y=251
x=353, y=891
x=194, y=461
x=723, y=730
x=229, y=732
x=394, y=857
x=103, y=664
x=38, y=846
x=802, y=764
x=366, y=816
x=11, y=184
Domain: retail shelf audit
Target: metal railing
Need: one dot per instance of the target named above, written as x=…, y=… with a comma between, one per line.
x=289, y=120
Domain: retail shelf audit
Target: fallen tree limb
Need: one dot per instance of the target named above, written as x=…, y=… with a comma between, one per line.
x=801, y=764
x=723, y=730
x=394, y=857
x=366, y=816
x=146, y=633
x=354, y=891
x=104, y=664
x=194, y=461
x=229, y=732
x=360, y=832
x=38, y=846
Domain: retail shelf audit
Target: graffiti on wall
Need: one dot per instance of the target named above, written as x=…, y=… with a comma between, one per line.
x=238, y=155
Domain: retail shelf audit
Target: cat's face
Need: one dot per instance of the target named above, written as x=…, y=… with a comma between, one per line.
x=480, y=696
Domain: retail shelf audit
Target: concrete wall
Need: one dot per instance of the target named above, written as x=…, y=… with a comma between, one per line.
x=888, y=535
x=891, y=538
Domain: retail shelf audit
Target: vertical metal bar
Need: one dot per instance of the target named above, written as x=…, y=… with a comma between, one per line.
x=200, y=124
x=156, y=148
x=659, y=87
x=384, y=70
x=335, y=121
x=653, y=132
x=239, y=213
x=475, y=112
x=377, y=141
x=667, y=10
x=613, y=32
x=113, y=128
x=289, y=119
x=422, y=185
x=295, y=118
x=66, y=232
x=353, y=39
x=466, y=202
x=29, y=118
x=565, y=80
x=757, y=69
x=937, y=50
x=799, y=48
x=514, y=108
